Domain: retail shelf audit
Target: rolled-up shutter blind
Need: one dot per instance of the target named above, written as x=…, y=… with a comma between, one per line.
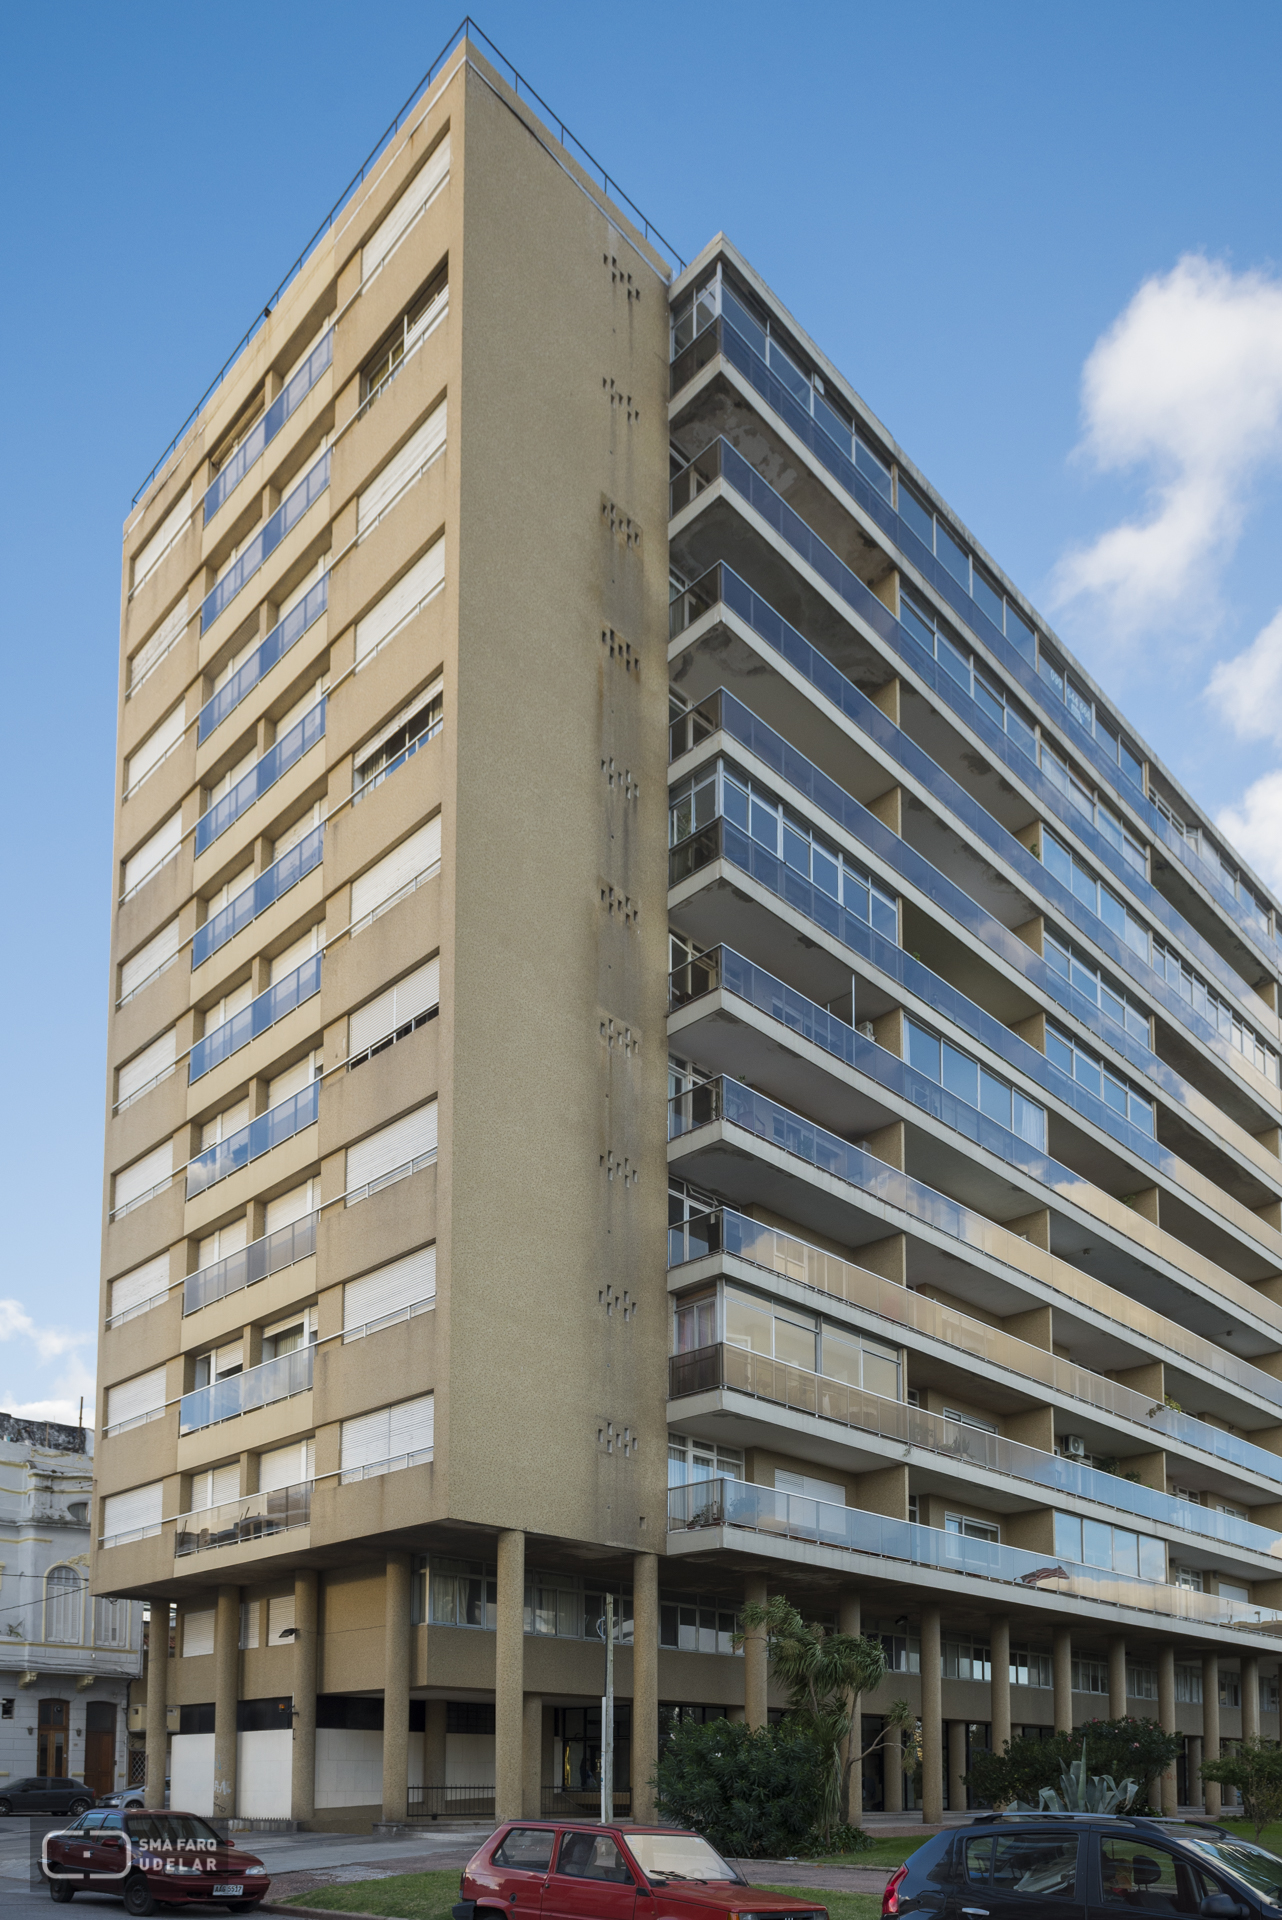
x=155, y=746
x=214, y=1486
x=409, y=997
x=288, y=1207
x=423, y=445
x=280, y=1614
x=133, y=1399
x=410, y=1426
x=401, y=600
x=391, y=1147
x=428, y=180
x=285, y=1466
x=388, y=1289
x=198, y=1633
x=162, y=947
x=131, y=1512
x=144, y=1174
x=144, y=1283
x=150, y=555
x=388, y=1434
x=403, y=864
x=164, y=841
x=145, y=1066
x=167, y=634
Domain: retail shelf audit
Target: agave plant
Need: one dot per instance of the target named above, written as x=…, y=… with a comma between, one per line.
x=1080, y=1792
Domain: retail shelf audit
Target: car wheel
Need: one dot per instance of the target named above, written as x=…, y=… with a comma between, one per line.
x=78, y=1807
x=138, y=1898
x=61, y=1891
x=6, y=1806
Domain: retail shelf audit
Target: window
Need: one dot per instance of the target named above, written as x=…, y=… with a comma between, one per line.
x=249, y=1612
x=153, y=551
x=400, y=603
x=529, y=1848
x=1090, y=1676
x=1194, y=991
x=419, y=194
x=159, y=953
x=145, y=1287
x=1134, y=1873
x=397, y=874
x=1085, y=977
x=392, y=1153
x=1036, y=1866
x=694, y=1324
x=1082, y=795
x=64, y=1606
x=1071, y=1057
x=1231, y=1683
x=399, y=741
x=298, y=1330
x=698, y=1623
x=1102, y=901
x=289, y=1207
x=214, y=1486
x=810, y=1488
x=1029, y=1669
x=223, y=1363
x=1093, y=1543
x=971, y=1529
x=146, y=1070
x=967, y=1660
x=198, y=1634
x=158, y=644
x=158, y=746
x=383, y=1442
x=397, y=476
x=860, y=1359
x=153, y=854
x=132, y=1516
x=1141, y=1683
x=590, y=1856
x=691, y=1460
x=966, y=1419
x=420, y=318
x=973, y=1084
x=137, y=1183
x=922, y=624
x=136, y=1401
x=390, y=1294
x=767, y=1327
x=289, y=1466
x=280, y=1620
x=111, y=1623
x=1188, y=1681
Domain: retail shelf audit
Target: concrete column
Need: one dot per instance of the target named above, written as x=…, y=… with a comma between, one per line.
x=1062, y=1678
x=1194, y=1768
x=1250, y=1696
x=226, y=1692
x=999, y=1696
x=850, y=1620
x=157, y=1702
x=1117, y=1677
x=645, y=1682
x=893, y=1773
x=1211, y=1727
x=532, y=1757
x=755, y=1670
x=932, y=1719
x=396, y=1685
x=509, y=1678
x=1166, y=1719
x=956, y=1766
x=302, y=1791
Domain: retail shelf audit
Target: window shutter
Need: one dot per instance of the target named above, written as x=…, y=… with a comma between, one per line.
x=155, y=747
x=144, y=1174
x=214, y=1486
x=144, y=1283
x=167, y=634
x=198, y=1633
x=406, y=1140
x=390, y=875
x=405, y=1283
x=137, y=1399
x=400, y=601
x=147, y=1066
x=392, y=1009
x=164, y=842
x=132, y=1512
x=289, y=1207
x=428, y=181
x=423, y=445
x=280, y=1614
x=364, y=1440
x=150, y=555
x=284, y=1466
x=111, y=1623
x=64, y=1606
x=411, y=1426
x=159, y=950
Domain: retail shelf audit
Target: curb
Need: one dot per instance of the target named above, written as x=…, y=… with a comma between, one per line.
x=319, y=1913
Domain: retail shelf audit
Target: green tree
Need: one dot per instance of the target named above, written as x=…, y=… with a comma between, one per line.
x=754, y=1792
x=1256, y=1772
x=824, y=1673
x=1127, y=1747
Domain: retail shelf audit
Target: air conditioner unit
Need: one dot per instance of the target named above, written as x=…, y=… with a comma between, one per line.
x=1074, y=1446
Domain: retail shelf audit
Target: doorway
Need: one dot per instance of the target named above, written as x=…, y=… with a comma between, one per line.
x=54, y=1720
x=100, y=1746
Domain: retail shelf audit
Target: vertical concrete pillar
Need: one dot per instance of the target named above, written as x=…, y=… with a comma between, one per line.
x=1250, y=1696
x=850, y=1620
x=226, y=1692
x=932, y=1719
x=893, y=1771
x=157, y=1702
x=999, y=1694
x=1062, y=1678
x=302, y=1788
x=532, y=1757
x=956, y=1766
x=509, y=1677
x=1117, y=1677
x=1211, y=1727
x=645, y=1682
x=755, y=1672
x=1166, y=1718
x=396, y=1685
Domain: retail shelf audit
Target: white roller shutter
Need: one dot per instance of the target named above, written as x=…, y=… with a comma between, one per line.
x=198, y=1633
x=391, y=1148
x=418, y=452
x=153, y=853
x=427, y=182
x=150, y=555
x=147, y=1066
x=136, y=1400
x=401, y=602
x=286, y=1466
x=397, y=870
x=391, y=1289
x=280, y=1614
x=143, y=1284
x=167, y=634
x=215, y=1486
x=386, y=1438
x=393, y=1009
x=137, y=1511
x=158, y=952
x=154, y=748
x=143, y=1175
x=289, y=1207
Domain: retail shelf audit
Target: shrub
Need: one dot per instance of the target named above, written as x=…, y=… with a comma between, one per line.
x=1256, y=1772
x=1126, y=1747
x=753, y=1794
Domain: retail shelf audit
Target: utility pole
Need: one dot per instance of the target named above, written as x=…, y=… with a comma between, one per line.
x=607, y=1719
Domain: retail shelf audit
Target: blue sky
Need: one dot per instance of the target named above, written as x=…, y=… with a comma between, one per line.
x=973, y=209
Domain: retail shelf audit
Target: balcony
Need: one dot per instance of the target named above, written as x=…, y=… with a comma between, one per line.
x=257, y=897
x=265, y=541
x=273, y=765
x=270, y=1129
x=261, y=435
x=278, y=1379
x=277, y=644
x=742, y=1506
x=243, y=1522
x=258, y=1261
x=256, y=1018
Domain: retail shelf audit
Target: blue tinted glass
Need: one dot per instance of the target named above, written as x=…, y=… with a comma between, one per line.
x=1083, y=885
x=1097, y=1543
x=914, y=622
x=917, y=515
x=1126, y=1552
x=764, y=824
x=796, y=382
x=1141, y=1114
x=1051, y=675
x=1080, y=707
x=1019, y=633
x=1137, y=1023
x=923, y=1050
x=1112, y=912
x=1110, y=826
x=955, y=558
x=1085, y=979
x=1056, y=956
x=826, y=872
x=1081, y=799
x=1068, y=1537
x=1021, y=733
x=833, y=424
x=994, y=1097
x=734, y=801
x=796, y=849
x=961, y=1075
x=1114, y=1094
x=1134, y=854
x=954, y=661
x=885, y=916
x=1137, y=936
x=1152, y=1559
x=872, y=468
x=1030, y=1121
x=988, y=598
x=1058, y=1050
x=854, y=894
x=1113, y=1004
x=1057, y=859
x=1087, y=1072
x=1132, y=767
x=741, y=321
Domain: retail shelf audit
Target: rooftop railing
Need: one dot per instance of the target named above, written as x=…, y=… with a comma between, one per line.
x=264, y=431
x=278, y=1379
x=258, y=1261
x=238, y=1523
x=270, y=1129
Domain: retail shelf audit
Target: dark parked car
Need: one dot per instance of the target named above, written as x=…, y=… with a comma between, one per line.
x=37, y=1793
x=1086, y=1867
x=150, y=1860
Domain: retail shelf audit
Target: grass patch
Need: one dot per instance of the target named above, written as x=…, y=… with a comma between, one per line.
x=405, y=1896
x=841, y=1906
x=887, y=1850
x=1270, y=1839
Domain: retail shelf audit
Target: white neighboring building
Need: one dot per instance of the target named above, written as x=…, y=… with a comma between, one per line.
x=66, y=1659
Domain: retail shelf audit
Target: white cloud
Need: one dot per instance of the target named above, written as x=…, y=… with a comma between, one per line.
x=1248, y=688
x=1186, y=387
x=49, y=1341
x=62, y=1395
x=1254, y=826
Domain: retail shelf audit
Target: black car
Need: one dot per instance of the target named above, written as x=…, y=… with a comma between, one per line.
x=1086, y=1867
x=38, y=1793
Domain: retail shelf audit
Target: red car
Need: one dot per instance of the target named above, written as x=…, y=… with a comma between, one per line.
x=151, y=1860
x=578, y=1870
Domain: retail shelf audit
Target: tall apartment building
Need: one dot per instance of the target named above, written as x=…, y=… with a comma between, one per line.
x=969, y=1329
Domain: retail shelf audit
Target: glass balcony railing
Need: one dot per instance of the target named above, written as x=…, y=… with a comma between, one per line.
x=270, y=1129
x=258, y=1261
x=264, y=431
x=735, y=1370
x=723, y=967
x=265, y=541
x=236, y=1523
x=254, y=1019
x=725, y=1231
x=241, y=1393
x=273, y=765
x=791, y=1516
x=282, y=637
x=258, y=896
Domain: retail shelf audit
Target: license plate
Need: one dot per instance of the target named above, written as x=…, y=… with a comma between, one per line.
x=221, y=1893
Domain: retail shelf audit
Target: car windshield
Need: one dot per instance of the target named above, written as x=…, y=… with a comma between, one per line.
x=679, y=1856
x=1261, y=1871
